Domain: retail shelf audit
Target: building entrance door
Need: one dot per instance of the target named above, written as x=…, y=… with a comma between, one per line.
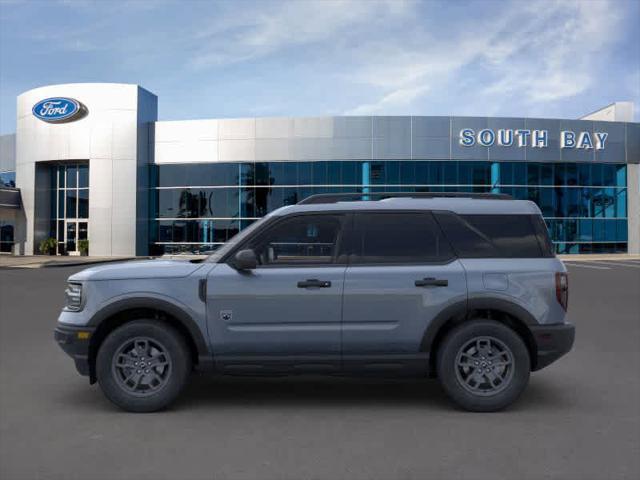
x=69, y=206
x=75, y=231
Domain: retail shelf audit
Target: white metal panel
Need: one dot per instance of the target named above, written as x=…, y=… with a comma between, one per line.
x=274, y=127
x=186, y=130
x=237, y=129
x=237, y=150
x=313, y=127
x=272, y=149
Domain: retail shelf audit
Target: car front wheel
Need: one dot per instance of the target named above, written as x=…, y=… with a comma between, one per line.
x=483, y=365
x=143, y=365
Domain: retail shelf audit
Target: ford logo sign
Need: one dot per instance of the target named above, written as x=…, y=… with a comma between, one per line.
x=59, y=110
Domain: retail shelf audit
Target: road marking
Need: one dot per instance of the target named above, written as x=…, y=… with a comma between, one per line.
x=633, y=264
x=586, y=266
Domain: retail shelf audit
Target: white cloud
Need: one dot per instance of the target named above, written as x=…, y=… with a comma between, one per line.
x=404, y=74
x=536, y=52
x=397, y=98
x=559, y=59
x=270, y=27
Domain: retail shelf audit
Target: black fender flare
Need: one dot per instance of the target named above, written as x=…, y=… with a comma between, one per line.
x=461, y=309
x=507, y=306
x=154, y=303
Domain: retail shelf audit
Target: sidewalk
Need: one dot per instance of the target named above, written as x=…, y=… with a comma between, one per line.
x=46, y=261
x=599, y=257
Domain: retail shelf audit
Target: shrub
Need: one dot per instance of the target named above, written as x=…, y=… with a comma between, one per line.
x=48, y=246
x=83, y=246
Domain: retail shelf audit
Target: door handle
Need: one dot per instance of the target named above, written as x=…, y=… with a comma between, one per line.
x=313, y=282
x=432, y=282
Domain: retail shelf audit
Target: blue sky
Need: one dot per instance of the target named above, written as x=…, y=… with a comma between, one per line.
x=246, y=58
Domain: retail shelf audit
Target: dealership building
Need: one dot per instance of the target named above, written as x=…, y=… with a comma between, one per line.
x=90, y=162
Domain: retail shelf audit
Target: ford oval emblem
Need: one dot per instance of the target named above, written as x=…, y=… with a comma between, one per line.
x=59, y=110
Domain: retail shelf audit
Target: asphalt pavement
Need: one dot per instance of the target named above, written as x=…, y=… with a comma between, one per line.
x=578, y=419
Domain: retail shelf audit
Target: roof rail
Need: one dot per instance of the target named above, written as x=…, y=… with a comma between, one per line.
x=359, y=196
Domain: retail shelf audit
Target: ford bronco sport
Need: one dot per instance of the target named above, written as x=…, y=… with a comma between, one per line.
x=463, y=287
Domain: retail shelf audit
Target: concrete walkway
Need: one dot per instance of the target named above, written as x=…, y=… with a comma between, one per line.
x=45, y=261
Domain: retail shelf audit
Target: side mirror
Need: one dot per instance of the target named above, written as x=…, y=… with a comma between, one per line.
x=245, y=260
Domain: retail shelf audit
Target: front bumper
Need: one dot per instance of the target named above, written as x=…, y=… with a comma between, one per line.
x=552, y=341
x=75, y=342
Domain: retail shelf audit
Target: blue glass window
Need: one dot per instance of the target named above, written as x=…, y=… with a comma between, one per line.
x=450, y=173
x=351, y=173
x=577, y=199
x=83, y=176
x=319, y=173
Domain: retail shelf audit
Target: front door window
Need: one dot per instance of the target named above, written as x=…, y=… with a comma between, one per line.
x=300, y=240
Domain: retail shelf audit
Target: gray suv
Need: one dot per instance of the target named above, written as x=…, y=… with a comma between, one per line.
x=462, y=287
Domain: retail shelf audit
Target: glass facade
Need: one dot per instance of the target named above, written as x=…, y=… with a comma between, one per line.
x=200, y=206
x=7, y=228
x=69, y=205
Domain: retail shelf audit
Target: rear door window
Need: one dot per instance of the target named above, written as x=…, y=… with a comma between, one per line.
x=398, y=238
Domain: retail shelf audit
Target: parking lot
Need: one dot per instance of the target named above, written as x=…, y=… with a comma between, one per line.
x=579, y=418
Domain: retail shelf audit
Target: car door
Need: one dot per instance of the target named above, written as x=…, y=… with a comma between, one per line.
x=286, y=313
x=402, y=273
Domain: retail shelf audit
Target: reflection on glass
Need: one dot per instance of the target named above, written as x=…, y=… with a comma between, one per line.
x=565, y=192
x=83, y=203
x=83, y=176
x=60, y=211
x=71, y=204
x=72, y=177
x=61, y=177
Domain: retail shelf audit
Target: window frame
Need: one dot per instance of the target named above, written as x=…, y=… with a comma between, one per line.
x=340, y=258
x=354, y=252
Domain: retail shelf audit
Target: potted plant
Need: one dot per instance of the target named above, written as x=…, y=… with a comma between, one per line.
x=83, y=246
x=48, y=246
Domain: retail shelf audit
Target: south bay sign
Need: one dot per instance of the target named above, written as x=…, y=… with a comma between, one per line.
x=531, y=138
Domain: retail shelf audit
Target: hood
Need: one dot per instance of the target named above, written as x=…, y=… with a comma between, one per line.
x=138, y=270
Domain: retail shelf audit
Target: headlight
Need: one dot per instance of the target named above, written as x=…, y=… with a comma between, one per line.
x=73, y=297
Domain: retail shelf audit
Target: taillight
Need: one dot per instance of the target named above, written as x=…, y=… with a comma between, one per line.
x=562, y=289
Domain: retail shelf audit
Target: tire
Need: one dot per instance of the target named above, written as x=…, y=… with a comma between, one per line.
x=143, y=365
x=483, y=343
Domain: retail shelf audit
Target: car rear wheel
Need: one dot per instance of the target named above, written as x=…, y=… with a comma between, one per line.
x=143, y=365
x=483, y=365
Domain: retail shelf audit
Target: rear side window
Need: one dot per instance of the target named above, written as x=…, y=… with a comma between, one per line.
x=543, y=235
x=495, y=236
x=405, y=238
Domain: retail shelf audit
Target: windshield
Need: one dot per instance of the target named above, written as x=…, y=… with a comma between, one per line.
x=231, y=243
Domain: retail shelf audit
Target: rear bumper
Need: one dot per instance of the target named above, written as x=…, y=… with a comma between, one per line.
x=75, y=345
x=552, y=342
